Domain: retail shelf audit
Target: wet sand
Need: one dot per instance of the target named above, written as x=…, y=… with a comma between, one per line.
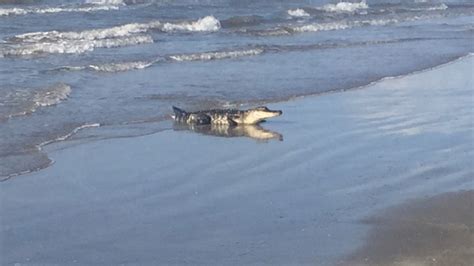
x=293, y=192
x=431, y=231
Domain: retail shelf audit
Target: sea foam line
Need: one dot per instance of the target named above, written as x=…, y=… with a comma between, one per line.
x=119, y=67
x=134, y=65
x=65, y=137
x=105, y=2
x=429, y=8
x=48, y=10
x=72, y=46
x=216, y=55
x=339, y=25
x=342, y=25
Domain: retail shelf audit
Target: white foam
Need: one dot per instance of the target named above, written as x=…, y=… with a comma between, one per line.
x=73, y=46
x=113, y=32
x=52, y=95
x=70, y=68
x=216, y=55
x=105, y=2
x=47, y=10
x=322, y=27
x=439, y=7
x=118, y=67
x=298, y=13
x=345, y=7
x=23, y=101
x=65, y=137
x=79, y=42
x=12, y=11
x=208, y=23
x=376, y=22
x=88, y=40
x=429, y=8
x=342, y=25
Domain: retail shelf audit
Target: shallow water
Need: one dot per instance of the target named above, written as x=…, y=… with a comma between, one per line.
x=66, y=65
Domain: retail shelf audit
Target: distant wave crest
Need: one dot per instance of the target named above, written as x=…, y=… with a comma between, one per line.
x=87, y=40
x=428, y=7
x=47, y=10
x=298, y=13
x=105, y=2
x=336, y=25
x=342, y=25
x=208, y=23
x=72, y=46
x=345, y=7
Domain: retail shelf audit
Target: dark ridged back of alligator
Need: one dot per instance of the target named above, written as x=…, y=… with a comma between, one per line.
x=221, y=112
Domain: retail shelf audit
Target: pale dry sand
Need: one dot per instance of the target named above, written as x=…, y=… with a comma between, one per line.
x=181, y=198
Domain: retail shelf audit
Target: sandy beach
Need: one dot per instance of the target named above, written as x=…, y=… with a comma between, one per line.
x=312, y=187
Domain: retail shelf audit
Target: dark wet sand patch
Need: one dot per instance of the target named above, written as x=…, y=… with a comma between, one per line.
x=432, y=231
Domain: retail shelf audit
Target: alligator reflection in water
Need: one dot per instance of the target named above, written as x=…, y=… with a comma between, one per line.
x=228, y=131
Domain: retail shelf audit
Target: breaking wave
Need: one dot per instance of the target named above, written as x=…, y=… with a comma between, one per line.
x=113, y=32
x=208, y=23
x=19, y=102
x=345, y=7
x=342, y=25
x=337, y=25
x=298, y=13
x=87, y=40
x=71, y=46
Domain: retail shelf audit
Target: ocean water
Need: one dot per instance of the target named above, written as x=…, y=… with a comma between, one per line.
x=68, y=65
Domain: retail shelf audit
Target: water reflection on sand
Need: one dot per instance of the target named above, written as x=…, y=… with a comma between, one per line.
x=250, y=131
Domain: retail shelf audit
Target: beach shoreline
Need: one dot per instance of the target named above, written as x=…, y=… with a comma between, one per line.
x=40, y=160
x=176, y=197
